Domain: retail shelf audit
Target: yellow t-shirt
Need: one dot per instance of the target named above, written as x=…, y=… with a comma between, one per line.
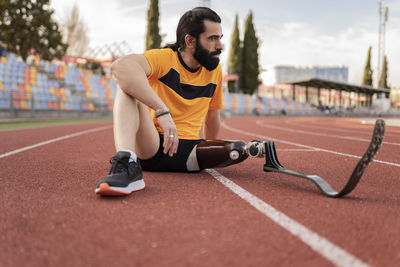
x=189, y=94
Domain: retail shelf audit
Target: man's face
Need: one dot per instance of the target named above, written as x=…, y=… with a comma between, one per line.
x=208, y=45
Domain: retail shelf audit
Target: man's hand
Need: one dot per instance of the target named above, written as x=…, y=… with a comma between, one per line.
x=170, y=134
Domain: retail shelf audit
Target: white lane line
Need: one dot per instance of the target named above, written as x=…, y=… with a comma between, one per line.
x=53, y=140
x=30, y=128
x=320, y=134
x=327, y=128
x=319, y=244
x=263, y=137
x=296, y=150
x=389, y=122
x=41, y=127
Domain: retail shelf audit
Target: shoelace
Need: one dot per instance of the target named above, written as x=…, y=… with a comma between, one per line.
x=114, y=162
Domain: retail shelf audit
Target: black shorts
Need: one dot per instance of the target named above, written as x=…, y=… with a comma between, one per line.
x=161, y=162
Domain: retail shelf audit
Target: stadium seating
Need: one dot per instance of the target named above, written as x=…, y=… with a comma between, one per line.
x=48, y=85
x=241, y=104
x=55, y=86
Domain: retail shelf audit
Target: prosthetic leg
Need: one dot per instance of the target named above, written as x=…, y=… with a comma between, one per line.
x=221, y=153
x=272, y=164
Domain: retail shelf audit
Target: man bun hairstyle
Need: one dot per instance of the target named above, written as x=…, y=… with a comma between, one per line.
x=192, y=23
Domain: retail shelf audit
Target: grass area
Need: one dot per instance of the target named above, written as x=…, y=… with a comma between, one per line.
x=40, y=123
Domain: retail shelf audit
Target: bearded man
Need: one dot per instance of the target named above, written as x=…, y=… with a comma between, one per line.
x=164, y=99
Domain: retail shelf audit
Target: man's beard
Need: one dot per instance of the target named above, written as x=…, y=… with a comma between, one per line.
x=205, y=57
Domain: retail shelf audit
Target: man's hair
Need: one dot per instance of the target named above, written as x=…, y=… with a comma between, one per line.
x=192, y=23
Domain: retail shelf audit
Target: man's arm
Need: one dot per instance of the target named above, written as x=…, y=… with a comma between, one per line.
x=131, y=74
x=212, y=124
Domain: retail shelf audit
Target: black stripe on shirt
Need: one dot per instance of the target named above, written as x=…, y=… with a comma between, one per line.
x=187, y=91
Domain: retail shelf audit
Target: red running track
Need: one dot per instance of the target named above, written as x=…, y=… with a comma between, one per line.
x=237, y=216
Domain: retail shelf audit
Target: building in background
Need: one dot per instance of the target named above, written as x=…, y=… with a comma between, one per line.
x=287, y=74
x=395, y=97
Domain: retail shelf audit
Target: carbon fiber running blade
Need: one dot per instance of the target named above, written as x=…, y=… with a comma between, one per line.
x=272, y=164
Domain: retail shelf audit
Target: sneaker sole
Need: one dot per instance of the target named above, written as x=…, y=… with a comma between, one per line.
x=105, y=190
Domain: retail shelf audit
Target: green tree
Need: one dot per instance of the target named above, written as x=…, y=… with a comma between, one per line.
x=384, y=75
x=250, y=68
x=367, y=77
x=26, y=25
x=153, y=37
x=234, y=61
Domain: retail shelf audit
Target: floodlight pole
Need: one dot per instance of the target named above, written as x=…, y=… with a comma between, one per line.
x=383, y=17
x=379, y=42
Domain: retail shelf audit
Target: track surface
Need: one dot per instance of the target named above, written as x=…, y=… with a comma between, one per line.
x=237, y=216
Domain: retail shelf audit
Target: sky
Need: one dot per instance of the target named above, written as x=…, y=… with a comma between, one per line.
x=302, y=33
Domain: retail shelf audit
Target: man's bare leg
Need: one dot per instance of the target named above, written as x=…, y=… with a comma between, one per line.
x=133, y=126
x=134, y=133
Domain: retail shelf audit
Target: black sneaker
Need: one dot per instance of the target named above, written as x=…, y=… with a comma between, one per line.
x=124, y=178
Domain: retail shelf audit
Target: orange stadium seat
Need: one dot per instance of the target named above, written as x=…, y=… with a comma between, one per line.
x=16, y=104
x=15, y=95
x=24, y=105
x=52, y=105
x=28, y=88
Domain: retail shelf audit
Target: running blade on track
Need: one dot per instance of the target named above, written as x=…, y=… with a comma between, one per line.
x=272, y=164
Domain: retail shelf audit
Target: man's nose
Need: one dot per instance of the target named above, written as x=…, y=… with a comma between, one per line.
x=219, y=45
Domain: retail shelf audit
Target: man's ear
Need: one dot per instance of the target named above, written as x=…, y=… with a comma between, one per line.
x=190, y=41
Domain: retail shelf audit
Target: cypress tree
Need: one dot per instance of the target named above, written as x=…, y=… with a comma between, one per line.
x=250, y=68
x=153, y=37
x=383, y=79
x=26, y=24
x=234, y=61
x=367, y=77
